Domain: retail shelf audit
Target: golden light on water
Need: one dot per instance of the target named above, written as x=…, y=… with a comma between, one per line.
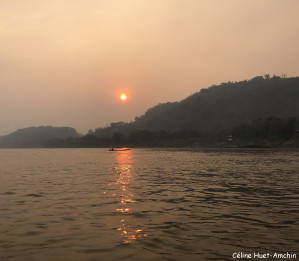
x=123, y=210
x=128, y=230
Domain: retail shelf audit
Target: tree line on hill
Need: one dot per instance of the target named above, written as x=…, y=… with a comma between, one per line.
x=36, y=136
x=220, y=107
x=261, y=132
x=263, y=110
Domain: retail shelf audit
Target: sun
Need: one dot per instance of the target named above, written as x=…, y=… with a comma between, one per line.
x=123, y=97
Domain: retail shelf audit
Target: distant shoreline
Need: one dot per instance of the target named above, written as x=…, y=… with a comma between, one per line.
x=251, y=146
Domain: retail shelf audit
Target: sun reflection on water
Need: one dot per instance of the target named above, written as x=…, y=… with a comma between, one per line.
x=124, y=173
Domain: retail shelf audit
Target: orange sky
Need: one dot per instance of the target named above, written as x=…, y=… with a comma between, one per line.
x=64, y=62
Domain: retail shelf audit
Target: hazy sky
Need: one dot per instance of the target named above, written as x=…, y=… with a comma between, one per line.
x=63, y=62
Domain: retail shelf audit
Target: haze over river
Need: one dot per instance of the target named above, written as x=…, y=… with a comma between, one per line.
x=147, y=204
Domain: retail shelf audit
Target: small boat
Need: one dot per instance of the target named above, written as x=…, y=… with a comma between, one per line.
x=119, y=149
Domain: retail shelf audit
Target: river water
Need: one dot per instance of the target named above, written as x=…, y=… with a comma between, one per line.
x=146, y=204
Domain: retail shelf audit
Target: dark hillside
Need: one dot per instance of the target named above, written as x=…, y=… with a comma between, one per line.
x=36, y=136
x=262, y=111
x=223, y=106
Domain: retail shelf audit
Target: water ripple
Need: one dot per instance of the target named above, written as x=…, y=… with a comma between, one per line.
x=144, y=204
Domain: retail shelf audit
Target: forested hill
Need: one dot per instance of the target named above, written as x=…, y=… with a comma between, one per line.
x=221, y=107
x=263, y=111
x=36, y=136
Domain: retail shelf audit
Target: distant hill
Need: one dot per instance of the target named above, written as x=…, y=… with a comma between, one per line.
x=36, y=136
x=221, y=107
x=262, y=111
